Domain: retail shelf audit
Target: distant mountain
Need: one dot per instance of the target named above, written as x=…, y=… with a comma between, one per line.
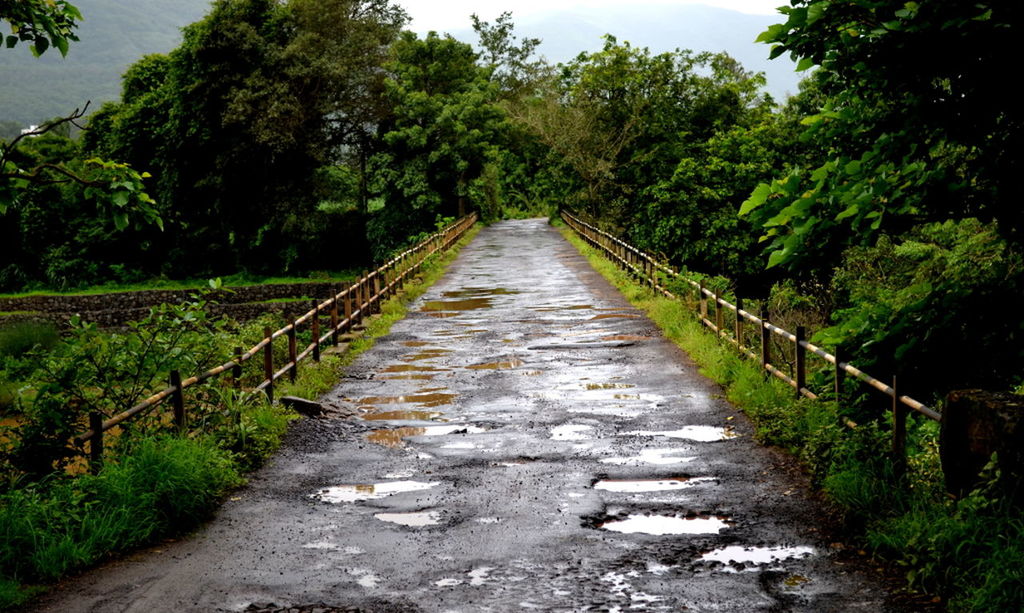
x=114, y=34
x=565, y=33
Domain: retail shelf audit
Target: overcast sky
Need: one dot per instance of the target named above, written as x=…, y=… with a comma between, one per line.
x=449, y=15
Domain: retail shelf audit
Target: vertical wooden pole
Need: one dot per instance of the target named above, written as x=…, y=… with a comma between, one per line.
x=236, y=372
x=268, y=363
x=178, y=401
x=766, y=347
x=739, y=322
x=294, y=370
x=376, y=292
x=96, y=441
x=316, y=331
x=840, y=375
x=719, y=316
x=334, y=316
x=801, y=358
x=899, y=432
x=347, y=301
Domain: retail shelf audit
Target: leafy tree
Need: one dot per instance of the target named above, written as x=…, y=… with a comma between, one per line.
x=443, y=130
x=917, y=125
x=41, y=22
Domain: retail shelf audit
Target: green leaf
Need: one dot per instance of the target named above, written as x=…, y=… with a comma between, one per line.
x=815, y=11
x=120, y=220
x=756, y=199
x=40, y=46
x=804, y=64
x=120, y=198
x=777, y=257
x=853, y=167
x=11, y=41
x=770, y=34
x=62, y=45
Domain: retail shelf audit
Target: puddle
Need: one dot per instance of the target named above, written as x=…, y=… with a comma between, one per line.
x=487, y=520
x=630, y=486
x=478, y=576
x=416, y=343
x=402, y=415
x=608, y=386
x=410, y=377
x=570, y=432
x=415, y=520
x=626, y=337
x=365, y=577
x=427, y=400
x=511, y=363
x=394, y=437
x=615, y=316
x=466, y=304
x=449, y=582
x=479, y=292
x=460, y=445
x=401, y=474
x=701, y=434
x=652, y=456
x=370, y=491
x=626, y=396
x=413, y=368
x=737, y=554
x=426, y=354
x=571, y=307
x=661, y=525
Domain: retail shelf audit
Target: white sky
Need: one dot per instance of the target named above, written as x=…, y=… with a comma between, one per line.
x=448, y=15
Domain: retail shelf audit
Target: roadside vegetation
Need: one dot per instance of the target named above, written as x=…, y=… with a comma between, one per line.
x=55, y=517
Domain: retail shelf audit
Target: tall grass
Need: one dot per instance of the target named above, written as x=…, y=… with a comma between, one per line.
x=968, y=553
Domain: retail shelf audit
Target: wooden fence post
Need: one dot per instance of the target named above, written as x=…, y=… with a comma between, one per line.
x=899, y=432
x=719, y=319
x=766, y=346
x=376, y=292
x=292, y=352
x=702, y=303
x=334, y=316
x=739, y=322
x=268, y=363
x=840, y=375
x=96, y=442
x=801, y=359
x=316, y=331
x=236, y=372
x=178, y=401
x=347, y=301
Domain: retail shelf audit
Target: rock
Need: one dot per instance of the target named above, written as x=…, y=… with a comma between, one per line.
x=302, y=406
x=976, y=424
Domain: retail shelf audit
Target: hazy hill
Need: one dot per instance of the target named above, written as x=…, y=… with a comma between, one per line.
x=565, y=33
x=113, y=35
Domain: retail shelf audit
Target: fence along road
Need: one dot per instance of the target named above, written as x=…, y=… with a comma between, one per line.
x=525, y=439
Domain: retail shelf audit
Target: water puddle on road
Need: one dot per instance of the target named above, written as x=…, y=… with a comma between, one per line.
x=700, y=434
x=479, y=292
x=426, y=354
x=658, y=457
x=607, y=386
x=370, y=491
x=395, y=437
x=633, y=486
x=571, y=432
x=413, y=368
x=467, y=304
x=408, y=377
x=402, y=416
x=433, y=399
x=615, y=316
x=502, y=365
x=415, y=519
x=738, y=554
x=571, y=307
x=626, y=337
x=416, y=343
x=661, y=525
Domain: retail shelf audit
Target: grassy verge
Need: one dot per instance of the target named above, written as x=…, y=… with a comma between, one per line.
x=157, y=485
x=967, y=553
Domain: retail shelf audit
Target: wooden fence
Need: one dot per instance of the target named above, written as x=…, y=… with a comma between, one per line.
x=345, y=309
x=729, y=321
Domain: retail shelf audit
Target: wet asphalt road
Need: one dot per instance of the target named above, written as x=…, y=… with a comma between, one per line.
x=527, y=441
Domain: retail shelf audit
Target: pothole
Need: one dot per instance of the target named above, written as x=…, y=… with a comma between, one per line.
x=394, y=437
x=500, y=365
x=607, y=386
x=417, y=519
x=402, y=416
x=661, y=525
x=700, y=434
x=632, y=486
x=466, y=304
x=427, y=400
x=370, y=491
x=738, y=555
x=657, y=457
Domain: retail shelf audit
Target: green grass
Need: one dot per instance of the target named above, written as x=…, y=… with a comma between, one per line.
x=968, y=553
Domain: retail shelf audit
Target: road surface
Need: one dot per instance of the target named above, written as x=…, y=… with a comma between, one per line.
x=526, y=441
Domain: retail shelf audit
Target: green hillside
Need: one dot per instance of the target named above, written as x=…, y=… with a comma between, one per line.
x=113, y=35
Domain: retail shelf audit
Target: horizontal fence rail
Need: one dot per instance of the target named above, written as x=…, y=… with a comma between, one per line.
x=647, y=268
x=346, y=309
